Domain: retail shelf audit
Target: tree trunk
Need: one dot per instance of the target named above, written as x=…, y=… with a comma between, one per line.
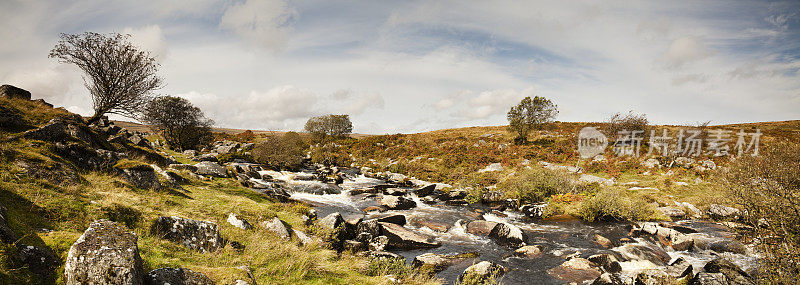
x=94, y=118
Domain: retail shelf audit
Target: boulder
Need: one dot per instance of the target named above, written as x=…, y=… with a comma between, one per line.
x=508, y=235
x=239, y=222
x=673, y=213
x=575, y=270
x=603, y=241
x=394, y=219
x=607, y=279
x=10, y=91
x=707, y=278
x=331, y=221
x=732, y=273
x=436, y=262
x=190, y=153
x=492, y=167
x=397, y=203
x=314, y=187
x=197, y=235
x=54, y=131
x=651, y=163
x=304, y=238
x=481, y=272
x=142, y=177
x=138, y=140
x=607, y=262
x=6, y=234
x=436, y=226
x=533, y=211
x=211, y=168
x=724, y=213
x=395, y=192
x=10, y=118
x=425, y=190
x=175, y=276
x=727, y=245
x=212, y=157
x=400, y=237
x=529, y=251
x=41, y=261
x=106, y=253
x=277, y=227
x=641, y=252
x=480, y=227
x=654, y=277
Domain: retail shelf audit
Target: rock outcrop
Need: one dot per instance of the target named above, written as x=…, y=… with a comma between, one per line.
x=175, y=276
x=211, y=168
x=400, y=237
x=397, y=203
x=481, y=272
x=106, y=253
x=10, y=91
x=198, y=235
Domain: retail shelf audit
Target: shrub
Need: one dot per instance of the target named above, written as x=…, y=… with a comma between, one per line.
x=330, y=154
x=615, y=204
x=629, y=122
x=329, y=125
x=767, y=188
x=280, y=152
x=530, y=113
x=536, y=184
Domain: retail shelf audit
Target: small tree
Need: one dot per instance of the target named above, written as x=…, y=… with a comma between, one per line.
x=281, y=152
x=182, y=125
x=530, y=113
x=630, y=122
x=329, y=125
x=120, y=76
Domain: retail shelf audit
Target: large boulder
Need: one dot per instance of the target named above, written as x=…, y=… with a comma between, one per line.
x=720, y=212
x=508, y=235
x=140, y=176
x=198, y=235
x=575, y=270
x=106, y=253
x=480, y=227
x=313, y=187
x=277, y=227
x=176, y=276
x=239, y=222
x=10, y=91
x=397, y=202
x=529, y=251
x=641, y=252
x=733, y=273
x=481, y=272
x=211, y=168
x=400, y=237
x=437, y=262
x=425, y=190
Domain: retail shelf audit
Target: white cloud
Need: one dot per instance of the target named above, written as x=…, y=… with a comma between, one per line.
x=685, y=50
x=265, y=23
x=149, y=38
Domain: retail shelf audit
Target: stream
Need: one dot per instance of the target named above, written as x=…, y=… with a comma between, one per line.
x=558, y=238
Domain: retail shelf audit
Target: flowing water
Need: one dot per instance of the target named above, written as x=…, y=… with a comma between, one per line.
x=558, y=238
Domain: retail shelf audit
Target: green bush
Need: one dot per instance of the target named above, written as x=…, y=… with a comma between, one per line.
x=616, y=204
x=281, y=152
x=330, y=154
x=536, y=184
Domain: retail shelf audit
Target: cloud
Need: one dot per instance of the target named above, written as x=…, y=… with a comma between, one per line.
x=149, y=38
x=265, y=23
x=685, y=50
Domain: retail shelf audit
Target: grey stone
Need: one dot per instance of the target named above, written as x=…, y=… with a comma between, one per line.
x=10, y=91
x=211, y=168
x=176, y=276
x=106, y=253
x=277, y=227
x=197, y=235
x=398, y=203
x=482, y=272
x=508, y=235
x=402, y=238
x=238, y=222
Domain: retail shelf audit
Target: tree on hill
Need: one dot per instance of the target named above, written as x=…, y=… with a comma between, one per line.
x=528, y=114
x=182, y=125
x=329, y=125
x=281, y=151
x=120, y=76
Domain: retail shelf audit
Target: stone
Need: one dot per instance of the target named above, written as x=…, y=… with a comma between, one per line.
x=508, y=235
x=435, y=262
x=397, y=203
x=481, y=272
x=197, y=235
x=533, y=211
x=680, y=268
x=651, y=163
x=142, y=177
x=138, y=140
x=654, y=277
x=370, y=227
x=41, y=261
x=733, y=273
x=641, y=252
x=603, y=241
x=401, y=238
x=672, y=212
x=106, y=253
x=211, y=168
x=354, y=246
x=54, y=131
x=378, y=243
x=436, y=226
x=331, y=221
x=607, y=262
x=304, y=238
x=313, y=187
x=720, y=212
x=425, y=190
x=277, y=227
x=10, y=91
x=398, y=219
x=239, y=222
x=727, y=245
x=373, y=209
x=589, y=179
x=492, y=167
x=190, y=153
x=706, y=278
x=575, y=270
x=529, y=251
x=480, y=227
x=175, y=276
x=607, y=279
x=212, y=157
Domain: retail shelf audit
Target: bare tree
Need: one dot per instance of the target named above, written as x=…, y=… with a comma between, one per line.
x=120, y=76
x=182, y=125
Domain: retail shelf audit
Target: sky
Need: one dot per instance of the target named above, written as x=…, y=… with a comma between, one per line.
x=413, y=66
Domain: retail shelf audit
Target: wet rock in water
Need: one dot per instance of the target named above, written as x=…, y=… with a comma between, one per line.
x=375, y=209
x=680, y=268
x=436, y=226
x=174, y=276
x=277, y=227
x=534, y=211
x=607, y=262
x=106, y=253
x=640, y=252
x=398, y=219
x=398, y=203
x=672, y=212
x=142, y=177
x=395, y=192
x=732, y=273
x=211, y=168
x=314, y=187
x=425, y=191
x=575, y=270
x=480, y=227
x=607, y=279
x=728, y=245
x=11, y=91
x=436, y=262
x=41, y=261
x=238, y=222
x=332, y=221
x=720, y=212
x=481, y=272
x=6, y=234
x=453, y=194
x=400, y=237
x=198, y=235
x=602, y=241
x=529, y=251
x=654, y=277
x=459, y=202
x=508, y=235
